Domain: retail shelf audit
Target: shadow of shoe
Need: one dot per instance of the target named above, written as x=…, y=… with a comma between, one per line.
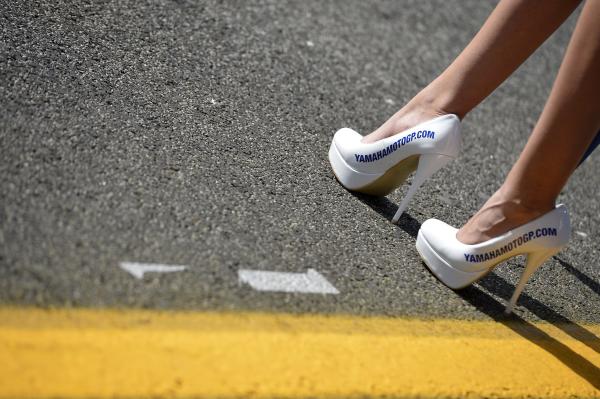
x=593, y=285
x=386, y=208
x=485, y=303
x=497, y=285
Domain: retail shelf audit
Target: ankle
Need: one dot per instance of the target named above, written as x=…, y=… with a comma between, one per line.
x=436, y=98
x=518, y=202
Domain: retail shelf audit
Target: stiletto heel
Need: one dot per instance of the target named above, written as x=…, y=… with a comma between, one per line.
x=428, y=165
x=534, y=261
x=458, y=265
x=379, y=168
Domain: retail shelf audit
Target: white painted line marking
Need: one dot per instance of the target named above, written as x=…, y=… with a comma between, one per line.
x=311, y=282
x=138, y=269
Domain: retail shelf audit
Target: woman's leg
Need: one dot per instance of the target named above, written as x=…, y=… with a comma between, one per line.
x=567, y=126
x=591, y=148
x=512, y=32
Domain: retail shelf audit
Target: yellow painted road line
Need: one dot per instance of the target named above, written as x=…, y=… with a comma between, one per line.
x=139, y=354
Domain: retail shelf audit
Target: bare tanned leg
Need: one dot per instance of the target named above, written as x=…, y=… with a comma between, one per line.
x=512, y=32
x=567, y=126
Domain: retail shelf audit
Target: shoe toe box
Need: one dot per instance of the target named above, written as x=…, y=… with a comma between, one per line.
x=434, y=228
x=345, y=137
x=440, y=236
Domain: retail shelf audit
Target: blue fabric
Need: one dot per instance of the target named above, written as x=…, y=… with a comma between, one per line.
x=591, y=148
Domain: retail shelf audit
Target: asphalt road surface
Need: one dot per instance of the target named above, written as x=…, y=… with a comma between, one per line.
x=196, y=133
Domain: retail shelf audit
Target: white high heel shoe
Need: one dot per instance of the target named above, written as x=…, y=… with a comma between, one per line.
x=379, y=168
x=457, y=265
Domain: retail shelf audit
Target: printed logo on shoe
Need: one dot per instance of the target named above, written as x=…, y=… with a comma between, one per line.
x=517, y=242
x=376, y=156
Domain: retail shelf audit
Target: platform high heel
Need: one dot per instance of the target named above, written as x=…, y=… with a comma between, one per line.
x=458, y=265
x=379, y=168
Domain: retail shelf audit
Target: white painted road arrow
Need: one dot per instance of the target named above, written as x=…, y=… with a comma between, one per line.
x=310, y=282
x=138, y=269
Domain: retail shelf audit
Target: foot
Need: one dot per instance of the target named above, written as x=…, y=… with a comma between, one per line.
x=413, y=113
x=500, y=214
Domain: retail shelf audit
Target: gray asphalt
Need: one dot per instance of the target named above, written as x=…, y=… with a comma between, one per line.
x=196, y=133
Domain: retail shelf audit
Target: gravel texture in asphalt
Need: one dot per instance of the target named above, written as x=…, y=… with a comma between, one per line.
x=196, y=133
